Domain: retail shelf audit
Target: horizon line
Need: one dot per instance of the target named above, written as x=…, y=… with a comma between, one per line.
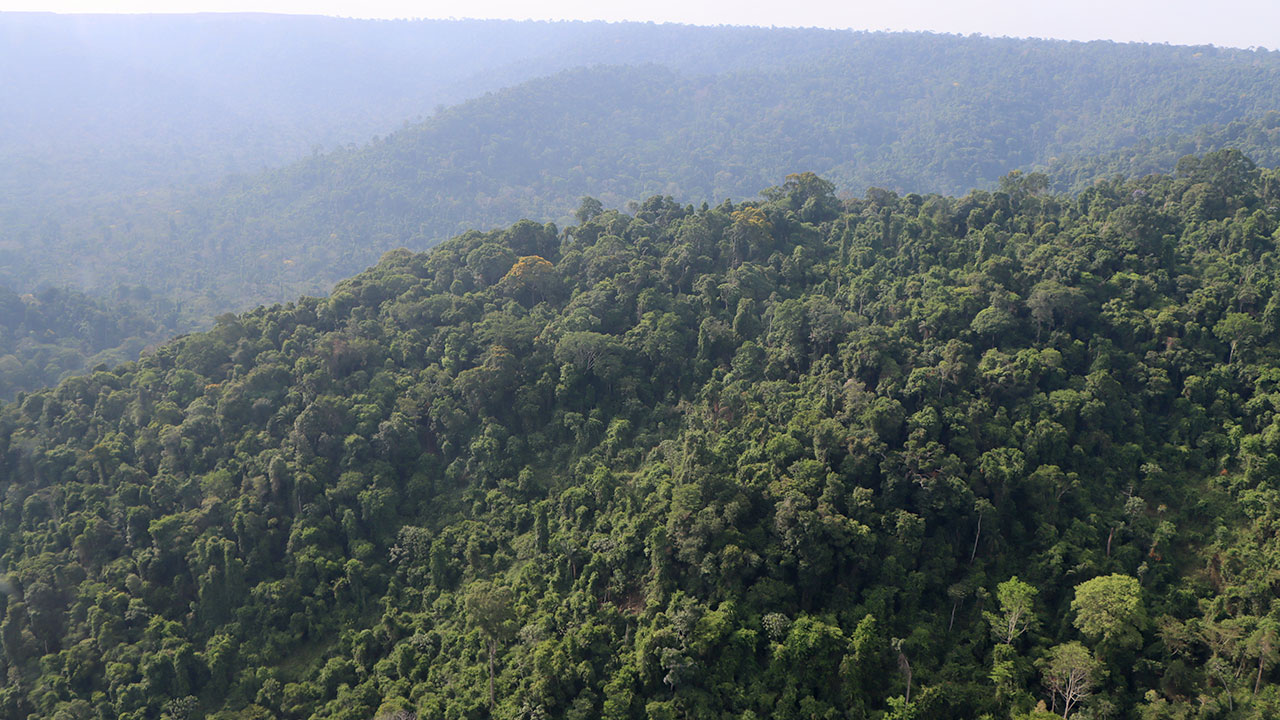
x=625, y=21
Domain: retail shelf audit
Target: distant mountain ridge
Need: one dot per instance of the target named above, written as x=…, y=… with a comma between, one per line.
x=909, y=112
x=143, y=101
x=121, y=190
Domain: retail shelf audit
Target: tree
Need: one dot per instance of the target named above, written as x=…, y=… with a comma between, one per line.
x=489, y=607
x=1051, y=301
x=592, y=352
x=1238, y=329
x=1265, y=643
x=904, y=665
x=588, y=209
x=1070, y=673
x=993, y=323
x=531, y=277
x=1228, y=170
x=809, y=195
x=1004, y=671
x=1109, y=609
x=749, y=234
x=1017, y=613
x=490, y=262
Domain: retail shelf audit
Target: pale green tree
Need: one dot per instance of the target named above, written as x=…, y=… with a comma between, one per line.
x=1069, y=672
x=1109, y=609
x=1017, y=613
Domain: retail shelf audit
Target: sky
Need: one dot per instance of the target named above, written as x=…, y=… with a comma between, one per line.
x=1231, y=23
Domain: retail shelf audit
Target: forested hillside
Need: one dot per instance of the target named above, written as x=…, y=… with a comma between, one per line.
x=111, y=125
x=895, y=457
x=1259, y=139
x=909, y=112
x=95, y=104
x=111, y=129
x=53, y=333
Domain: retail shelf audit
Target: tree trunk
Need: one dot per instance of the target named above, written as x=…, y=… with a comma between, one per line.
x=976, y=536
x=1258, y=683
x=493, y=650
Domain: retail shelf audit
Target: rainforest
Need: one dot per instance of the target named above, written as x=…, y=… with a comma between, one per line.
x=634, y=371
x=894, y=456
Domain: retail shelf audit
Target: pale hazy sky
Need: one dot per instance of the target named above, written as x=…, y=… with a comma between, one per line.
x=1237, y=23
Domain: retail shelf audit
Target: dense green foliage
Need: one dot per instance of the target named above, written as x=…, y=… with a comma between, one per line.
x=1259, y=139
x=897, y=457
x=55, y=332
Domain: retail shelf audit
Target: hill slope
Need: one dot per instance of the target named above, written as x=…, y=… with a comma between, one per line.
x=57, y=332
x=909, y=112
x=107, y=103
x=894, y=458
x=1259, y=139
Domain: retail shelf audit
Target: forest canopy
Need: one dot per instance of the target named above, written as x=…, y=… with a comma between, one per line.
x=897, y=456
